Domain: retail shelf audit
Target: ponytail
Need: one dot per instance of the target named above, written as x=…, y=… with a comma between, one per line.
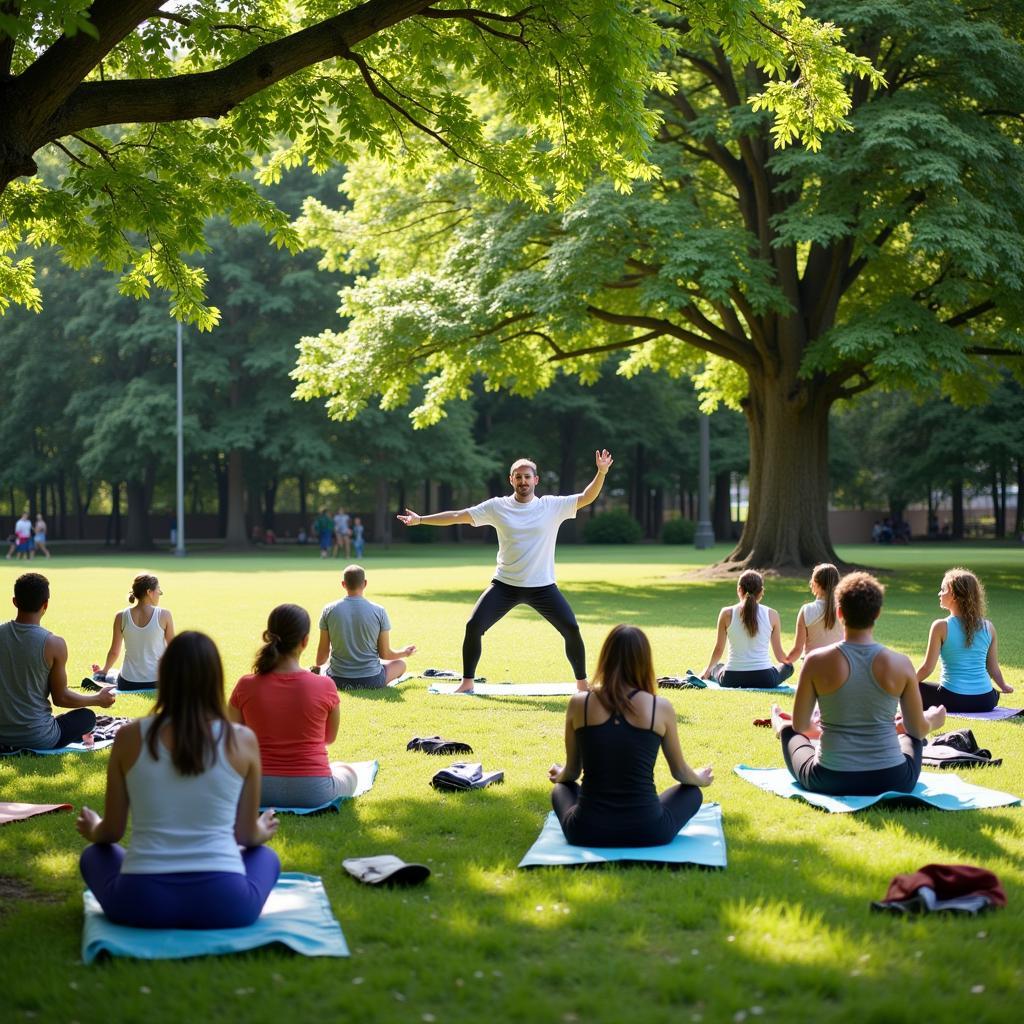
x=751, y=585
x=826, y=578
x=142, y=585
x=287, y=624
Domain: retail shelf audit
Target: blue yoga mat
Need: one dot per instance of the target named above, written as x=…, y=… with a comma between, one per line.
x=944, y=791
x=507, y=689
x=701, y=841
x=781, y=688
x=71, y=748
x=366, y=772
x=297, y=914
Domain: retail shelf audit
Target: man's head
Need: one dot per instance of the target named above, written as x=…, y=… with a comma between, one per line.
x=354, y=579
x=859, y=596
x=523, y=478
x=31, y=592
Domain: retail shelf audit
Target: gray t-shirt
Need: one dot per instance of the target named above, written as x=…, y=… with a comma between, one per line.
x=354, y=625
x=26, y=718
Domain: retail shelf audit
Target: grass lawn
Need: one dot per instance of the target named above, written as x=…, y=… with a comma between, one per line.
x=784, y=933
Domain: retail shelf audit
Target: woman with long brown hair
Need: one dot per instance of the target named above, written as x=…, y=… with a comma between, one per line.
x=614, y=742
x=749, y=629
x=294, y=714
x=192, y=781
x=817, y=624
x=965, y=643
x=144, y=629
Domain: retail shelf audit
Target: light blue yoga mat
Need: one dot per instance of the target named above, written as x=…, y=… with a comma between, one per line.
x=944, y=791
x=997, y=714
x=507, y=689
x=366, y=772
x=781, y=688
x=701, y=841
x=297, y=914
x=71, y=748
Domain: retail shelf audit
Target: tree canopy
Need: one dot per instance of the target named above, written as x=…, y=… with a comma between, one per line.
x=127, y=124
x=782, y=280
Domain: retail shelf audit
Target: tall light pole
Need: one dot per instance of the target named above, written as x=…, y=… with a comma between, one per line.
x=705, y=535
x=179, y=547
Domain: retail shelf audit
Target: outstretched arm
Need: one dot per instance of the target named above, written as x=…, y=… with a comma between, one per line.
x=603, y=461
x=453, y=518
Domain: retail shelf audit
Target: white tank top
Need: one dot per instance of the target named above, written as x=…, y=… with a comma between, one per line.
x=182, y=822
x=748, y=653
x=143, y=647
x=814, y=623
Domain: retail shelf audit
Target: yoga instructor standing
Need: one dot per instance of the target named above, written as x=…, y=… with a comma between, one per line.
x=527, y=527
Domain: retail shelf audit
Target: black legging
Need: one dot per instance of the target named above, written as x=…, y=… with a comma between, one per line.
x=499, y=599
x=678, y=805
x=74, y=725
x=933, y=695
x=801, y=760
x=756, y=679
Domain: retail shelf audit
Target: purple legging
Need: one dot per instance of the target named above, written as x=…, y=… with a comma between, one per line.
x=183, y=899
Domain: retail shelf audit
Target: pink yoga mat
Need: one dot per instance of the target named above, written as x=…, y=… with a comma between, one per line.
x=19, y=812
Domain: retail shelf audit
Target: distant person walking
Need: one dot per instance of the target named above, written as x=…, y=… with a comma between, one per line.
x=527, y=528
x=40, y=536
x=356, y=633
x=24, y=546
x=342, y=533
x=323, y=527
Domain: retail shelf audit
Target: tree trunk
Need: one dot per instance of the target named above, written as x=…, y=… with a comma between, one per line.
x=303, y=487
x=381, y=512
x=657, y=512
x=721, y=505
x=269, y=501
x=221, y=471
x=235, y=535
x=787, y=513
x=114, y=523
x=139, y=492
x=568, y=430
x=1018, y=521
x=997, y=504
x=62, y=501
x=957, y=499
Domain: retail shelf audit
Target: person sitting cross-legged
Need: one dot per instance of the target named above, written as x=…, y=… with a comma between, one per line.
x=294, y=714
x=857, y=685
x=33, y=672
x=191, y=780
x=356, y=633
x=615, y=742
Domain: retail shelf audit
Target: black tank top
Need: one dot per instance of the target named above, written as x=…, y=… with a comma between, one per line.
x=618, y=770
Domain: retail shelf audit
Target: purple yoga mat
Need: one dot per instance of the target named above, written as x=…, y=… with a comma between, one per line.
x=995, y=715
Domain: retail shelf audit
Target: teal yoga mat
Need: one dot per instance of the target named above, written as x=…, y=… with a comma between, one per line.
x=701, y=841
x=297, y=914
x=944, y=791
x=366, y=773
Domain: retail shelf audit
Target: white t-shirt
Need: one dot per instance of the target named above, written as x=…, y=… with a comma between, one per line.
x=527, y=532
x=23, y=529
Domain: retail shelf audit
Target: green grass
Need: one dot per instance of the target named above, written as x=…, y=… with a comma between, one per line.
x=784, y=932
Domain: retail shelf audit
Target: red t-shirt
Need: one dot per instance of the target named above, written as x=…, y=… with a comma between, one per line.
x=288, y=712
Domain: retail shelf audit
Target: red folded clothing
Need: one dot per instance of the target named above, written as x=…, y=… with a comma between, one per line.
x=949, y=881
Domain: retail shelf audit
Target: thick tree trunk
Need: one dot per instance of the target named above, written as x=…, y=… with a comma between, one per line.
x=721, y=505
x=787, y=513
x=382, y=512
x=137, y=535
x=221, y=471
x=235, y=535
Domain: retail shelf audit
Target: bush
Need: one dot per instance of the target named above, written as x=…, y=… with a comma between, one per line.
x=612, y=528
x=678, y=531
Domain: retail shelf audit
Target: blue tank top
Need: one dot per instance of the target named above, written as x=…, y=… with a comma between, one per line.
x=618, y=770
x=857, y=730
x=963, y=667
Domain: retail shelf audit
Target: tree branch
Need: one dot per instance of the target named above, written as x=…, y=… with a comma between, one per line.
x=214, y=93
x=970, y=314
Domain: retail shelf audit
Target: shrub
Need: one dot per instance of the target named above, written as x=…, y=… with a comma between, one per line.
x=678, y=531
x=614, y=527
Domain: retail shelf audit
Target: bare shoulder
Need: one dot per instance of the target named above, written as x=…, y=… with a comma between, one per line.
x=891, y=666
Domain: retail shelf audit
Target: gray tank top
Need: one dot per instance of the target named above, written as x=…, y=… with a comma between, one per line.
x=858, y=734
x=25, y=716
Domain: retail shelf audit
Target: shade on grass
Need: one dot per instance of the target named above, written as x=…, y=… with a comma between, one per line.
x=785, y=927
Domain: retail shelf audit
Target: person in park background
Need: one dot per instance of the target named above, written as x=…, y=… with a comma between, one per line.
x=817, y=624
x=323, y=527
x=527, y=527
x=749, y=628
x=24, y=546
x=144, y=629
x=295, y=714
x=356, y=634
x=191, y=779
x=39, y=535
x=615, y=743
x=965, y=643
x=857, y=685
x=33, y=672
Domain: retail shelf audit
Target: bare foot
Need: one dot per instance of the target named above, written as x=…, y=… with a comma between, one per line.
x=779, y=719
x=935, y=717
x=466, y=686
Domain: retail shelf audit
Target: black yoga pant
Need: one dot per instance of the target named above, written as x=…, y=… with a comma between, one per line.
x=801, y=760
x=126, y=685
x=678, y=805
x=74, y=725
x=499, y=599
x=932, y=696
x=758, y=679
